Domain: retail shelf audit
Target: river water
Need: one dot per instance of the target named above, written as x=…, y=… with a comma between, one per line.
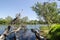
x=3, y=27
x=21, y=35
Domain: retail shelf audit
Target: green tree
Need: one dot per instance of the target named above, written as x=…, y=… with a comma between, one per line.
x=8, y=19
x=3, y=21
x=46, y=10
x=34, y=22
x=24, y=20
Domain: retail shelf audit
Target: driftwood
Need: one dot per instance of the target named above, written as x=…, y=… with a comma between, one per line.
x=37, y=34
x=2, y=37
x=6, y=33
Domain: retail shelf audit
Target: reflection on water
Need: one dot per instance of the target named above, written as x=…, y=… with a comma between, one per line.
x=3, y=27
x=27, y=35
x=22, y=34
x=33, y=27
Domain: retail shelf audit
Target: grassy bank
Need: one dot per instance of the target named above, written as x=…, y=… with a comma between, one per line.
x=44, y=30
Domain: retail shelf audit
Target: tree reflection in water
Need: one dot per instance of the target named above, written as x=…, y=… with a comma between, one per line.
x=22, y=35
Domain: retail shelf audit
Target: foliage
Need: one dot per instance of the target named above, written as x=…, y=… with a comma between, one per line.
x=19, y=20
x=2, y=21
x=6, y=20
x=54, y=32
x=24, y=20
x=43, y=28
x=34, y=22
x=48, y=11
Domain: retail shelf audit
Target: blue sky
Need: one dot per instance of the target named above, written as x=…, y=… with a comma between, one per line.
x=11, y=7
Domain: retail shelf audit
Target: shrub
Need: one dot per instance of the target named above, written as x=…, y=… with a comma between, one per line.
x=54, y=32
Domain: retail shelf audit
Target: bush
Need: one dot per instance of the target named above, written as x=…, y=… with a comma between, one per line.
x=54, y=33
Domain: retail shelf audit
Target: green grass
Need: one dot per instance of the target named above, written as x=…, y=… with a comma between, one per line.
x=45, y=30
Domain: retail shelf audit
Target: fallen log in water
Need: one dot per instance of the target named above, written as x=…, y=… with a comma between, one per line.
x=17, y=33
x=6, y=33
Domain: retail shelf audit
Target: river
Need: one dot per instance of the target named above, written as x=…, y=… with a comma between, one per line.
x=3, y=27
x=21, y=35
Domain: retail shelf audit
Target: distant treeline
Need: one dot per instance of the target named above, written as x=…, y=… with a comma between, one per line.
x=23, y=20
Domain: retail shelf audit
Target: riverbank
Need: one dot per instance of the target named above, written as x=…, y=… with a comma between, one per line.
x=44, y=30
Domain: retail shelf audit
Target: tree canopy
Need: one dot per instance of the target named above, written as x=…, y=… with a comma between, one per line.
x=48, y=11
